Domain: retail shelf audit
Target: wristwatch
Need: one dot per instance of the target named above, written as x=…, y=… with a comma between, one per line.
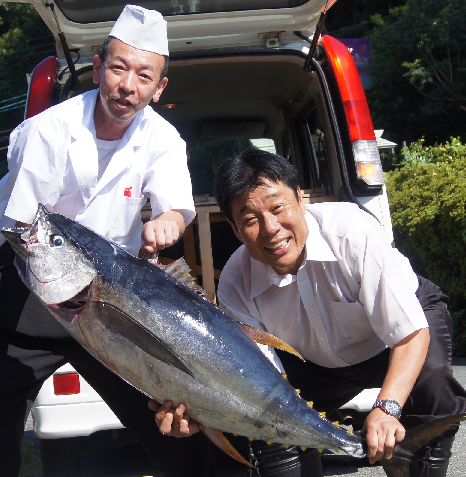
x=390, y=407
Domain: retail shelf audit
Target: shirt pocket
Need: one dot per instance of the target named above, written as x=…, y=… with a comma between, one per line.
x=352, y=320
x=127, y=218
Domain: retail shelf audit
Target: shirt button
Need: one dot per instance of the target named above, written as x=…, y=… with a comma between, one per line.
x=312, y=308
x=322, y=338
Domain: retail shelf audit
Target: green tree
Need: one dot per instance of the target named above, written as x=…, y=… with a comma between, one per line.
x=418, y=70
x=24, y=42
x=352, y=18
x=428, y=210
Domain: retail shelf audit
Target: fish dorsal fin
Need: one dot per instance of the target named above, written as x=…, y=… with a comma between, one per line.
x=179, y=270
x=223, y=443
x=264, y=338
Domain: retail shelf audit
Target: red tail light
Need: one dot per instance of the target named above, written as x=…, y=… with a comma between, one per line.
x=358, y=117
x=66, y=384
x=41, y=87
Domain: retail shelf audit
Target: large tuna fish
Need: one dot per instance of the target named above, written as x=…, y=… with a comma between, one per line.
x=169, y=342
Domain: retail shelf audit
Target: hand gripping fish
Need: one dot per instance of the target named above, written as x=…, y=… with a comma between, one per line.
x=172, y=344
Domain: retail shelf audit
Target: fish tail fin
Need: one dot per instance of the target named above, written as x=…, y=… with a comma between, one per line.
x=223, y=443
x=398, y=465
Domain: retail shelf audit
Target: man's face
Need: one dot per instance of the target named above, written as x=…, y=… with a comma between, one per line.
x=129, y=79
x=271, y=223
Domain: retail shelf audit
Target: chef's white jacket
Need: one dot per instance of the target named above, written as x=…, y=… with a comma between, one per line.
x=53, y=160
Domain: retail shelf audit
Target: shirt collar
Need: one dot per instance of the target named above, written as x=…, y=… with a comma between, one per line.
x=317, y=249
x=84, y=125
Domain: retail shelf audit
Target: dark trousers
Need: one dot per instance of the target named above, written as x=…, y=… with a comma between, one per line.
x=33, y=345
x=436, y=392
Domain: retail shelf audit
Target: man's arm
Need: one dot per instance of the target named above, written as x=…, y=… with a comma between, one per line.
x=163, y=230
x=406, y=360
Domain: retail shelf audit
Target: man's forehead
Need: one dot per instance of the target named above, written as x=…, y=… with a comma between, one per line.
x=120, y=50
x=266, y=191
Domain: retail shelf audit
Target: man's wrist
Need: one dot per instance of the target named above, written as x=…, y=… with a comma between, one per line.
x=388, y=406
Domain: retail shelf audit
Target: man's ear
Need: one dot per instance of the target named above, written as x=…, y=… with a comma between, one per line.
x=96, y=69
x=160, y=87
x=236, y=231
x=300, y=199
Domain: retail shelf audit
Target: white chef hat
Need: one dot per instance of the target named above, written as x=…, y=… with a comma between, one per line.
x=142, y=29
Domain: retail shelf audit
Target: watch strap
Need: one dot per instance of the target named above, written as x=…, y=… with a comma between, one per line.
x=388, y=406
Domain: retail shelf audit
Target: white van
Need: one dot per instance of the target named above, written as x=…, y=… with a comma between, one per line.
x=242, y=73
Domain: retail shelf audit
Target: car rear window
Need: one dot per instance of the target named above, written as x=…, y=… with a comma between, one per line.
x=92, y=11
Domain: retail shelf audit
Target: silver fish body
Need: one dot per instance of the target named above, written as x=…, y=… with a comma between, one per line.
x=165, y=339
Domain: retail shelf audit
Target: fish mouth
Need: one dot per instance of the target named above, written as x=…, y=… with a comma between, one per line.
x=20, y=238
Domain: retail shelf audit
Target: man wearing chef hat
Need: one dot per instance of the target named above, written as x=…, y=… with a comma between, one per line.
x=96, y=158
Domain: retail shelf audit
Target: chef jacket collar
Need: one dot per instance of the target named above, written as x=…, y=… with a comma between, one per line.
x=86, y=125
x=317, y=249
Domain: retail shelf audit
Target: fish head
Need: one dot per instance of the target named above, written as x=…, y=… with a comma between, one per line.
x=50, y=263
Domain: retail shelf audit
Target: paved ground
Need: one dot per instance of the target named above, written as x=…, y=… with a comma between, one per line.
x=131, y=461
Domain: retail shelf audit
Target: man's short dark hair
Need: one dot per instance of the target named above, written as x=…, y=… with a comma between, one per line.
x=103, y=52
x=248, y=170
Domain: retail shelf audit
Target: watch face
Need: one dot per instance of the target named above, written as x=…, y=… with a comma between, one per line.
x=392, y=407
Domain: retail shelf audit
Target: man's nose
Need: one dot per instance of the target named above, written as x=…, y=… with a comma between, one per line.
x=270, y=224
x=128, y=82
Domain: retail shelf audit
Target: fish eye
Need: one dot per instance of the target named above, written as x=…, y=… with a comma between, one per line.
x=57, y=240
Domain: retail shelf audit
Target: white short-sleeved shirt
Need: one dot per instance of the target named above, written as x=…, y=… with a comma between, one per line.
x=53, y=160
x=353, y=296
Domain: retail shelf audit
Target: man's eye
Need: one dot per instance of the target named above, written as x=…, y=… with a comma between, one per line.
x=57, y=240
x=250, y=221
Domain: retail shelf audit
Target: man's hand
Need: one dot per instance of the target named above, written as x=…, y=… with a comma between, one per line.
x=383, y=432
x=173, y=422
x=162, y=231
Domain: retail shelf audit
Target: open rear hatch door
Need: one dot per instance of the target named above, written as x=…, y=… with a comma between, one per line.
x=193, y=25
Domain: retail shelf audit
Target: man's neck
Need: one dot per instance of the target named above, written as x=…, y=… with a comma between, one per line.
x=106, y=127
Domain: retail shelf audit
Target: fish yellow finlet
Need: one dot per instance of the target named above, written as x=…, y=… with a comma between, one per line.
x=324, y=414
x=320, y=450
x=311, y=404
x=251, y=438
x=269, y=442
x=303, y=448
x=298, y=391
x=336, y=423
x=285, y=376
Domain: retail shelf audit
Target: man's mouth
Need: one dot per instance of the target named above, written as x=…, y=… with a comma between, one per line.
x=123, y=103
x=278, y=245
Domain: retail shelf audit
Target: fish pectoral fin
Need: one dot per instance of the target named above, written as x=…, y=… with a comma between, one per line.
x=118, y=322
x=262, y=337
x=223, y=443
x=398, y=465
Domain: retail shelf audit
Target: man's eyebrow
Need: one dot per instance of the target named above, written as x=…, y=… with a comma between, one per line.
x=143, y=67
x=272, y=195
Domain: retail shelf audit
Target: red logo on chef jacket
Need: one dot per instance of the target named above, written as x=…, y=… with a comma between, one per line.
x=127, y=192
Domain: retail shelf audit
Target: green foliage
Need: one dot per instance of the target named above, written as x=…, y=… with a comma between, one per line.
x=428, y=208
x=418, y=70
x=353, y=18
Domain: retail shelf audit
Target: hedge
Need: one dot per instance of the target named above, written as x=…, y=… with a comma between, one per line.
x=427, y=196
